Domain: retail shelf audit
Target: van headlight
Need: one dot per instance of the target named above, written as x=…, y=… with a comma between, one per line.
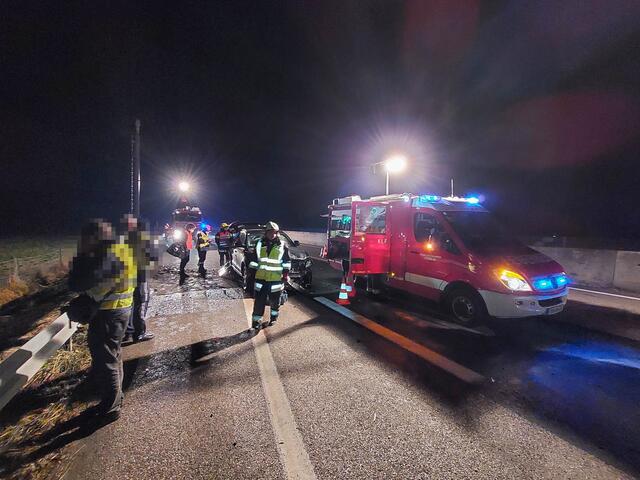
x=513, y=281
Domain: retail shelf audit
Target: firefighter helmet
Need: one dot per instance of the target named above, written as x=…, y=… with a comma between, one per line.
x=272, y=226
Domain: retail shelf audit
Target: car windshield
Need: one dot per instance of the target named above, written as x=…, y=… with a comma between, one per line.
x=187, y=217
x=480, y=231
x=254, y=235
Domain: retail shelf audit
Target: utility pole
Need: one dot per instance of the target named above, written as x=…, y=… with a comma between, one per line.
x=136, y=172
x=132, y=175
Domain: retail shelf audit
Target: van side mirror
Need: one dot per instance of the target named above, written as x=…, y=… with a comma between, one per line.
x=296, y=243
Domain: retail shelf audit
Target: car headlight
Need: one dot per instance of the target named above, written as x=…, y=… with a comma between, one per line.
x=177, y=235
x=513, y=281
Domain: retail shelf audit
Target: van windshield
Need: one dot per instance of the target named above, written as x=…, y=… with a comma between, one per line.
x=481, y=231
x=187, y=217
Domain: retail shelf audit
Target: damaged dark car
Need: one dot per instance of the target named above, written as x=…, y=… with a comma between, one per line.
x=244, y=246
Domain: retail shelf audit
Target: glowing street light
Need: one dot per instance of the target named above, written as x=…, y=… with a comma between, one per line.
x=183, y=186
x=395, y=163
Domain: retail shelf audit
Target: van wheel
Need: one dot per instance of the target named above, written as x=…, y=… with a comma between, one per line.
x=465, y=306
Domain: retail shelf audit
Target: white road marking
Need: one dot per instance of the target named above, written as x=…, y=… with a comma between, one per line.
x=604, y=293
x=423, y=352
x=293, y=454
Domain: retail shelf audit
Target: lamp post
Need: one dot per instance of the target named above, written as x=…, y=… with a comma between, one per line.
x=394, y=163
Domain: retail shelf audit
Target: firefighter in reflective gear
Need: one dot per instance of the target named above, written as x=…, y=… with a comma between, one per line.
x=113, y=291
x=272, y=264
x=203, y=242
x=223, y=241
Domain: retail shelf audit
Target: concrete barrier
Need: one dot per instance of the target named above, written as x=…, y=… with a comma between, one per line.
x=595, y=268
x=627, y=271
x=588, y=267
x=308, y=238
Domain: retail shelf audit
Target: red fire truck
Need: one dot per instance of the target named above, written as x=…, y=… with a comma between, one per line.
x=448, y=249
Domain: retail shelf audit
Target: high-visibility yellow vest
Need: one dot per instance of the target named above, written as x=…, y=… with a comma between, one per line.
x=269, y=264
x=120, y=294
x=205, y=240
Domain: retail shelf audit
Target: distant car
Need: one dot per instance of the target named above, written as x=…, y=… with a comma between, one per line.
x=245, y=244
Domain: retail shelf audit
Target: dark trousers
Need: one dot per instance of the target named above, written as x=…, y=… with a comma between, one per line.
x=264, y=295
x=137, y=324
x=224, y=257
x=202, y=256
x=106, y=331
x=183, y=263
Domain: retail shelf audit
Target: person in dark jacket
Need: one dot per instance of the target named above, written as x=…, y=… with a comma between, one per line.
x=223, y=241
x=146, y=253
x=188, y=243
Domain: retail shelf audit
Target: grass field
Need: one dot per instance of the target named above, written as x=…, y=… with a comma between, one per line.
x=19, y=247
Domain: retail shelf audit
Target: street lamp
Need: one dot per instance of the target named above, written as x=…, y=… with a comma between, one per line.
x=395, y=163
x=183, y=186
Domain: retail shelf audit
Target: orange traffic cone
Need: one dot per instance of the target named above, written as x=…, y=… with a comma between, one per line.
x=343, y=296
x=351, y=289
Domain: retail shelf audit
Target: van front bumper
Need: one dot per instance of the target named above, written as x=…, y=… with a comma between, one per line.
x=505, y=305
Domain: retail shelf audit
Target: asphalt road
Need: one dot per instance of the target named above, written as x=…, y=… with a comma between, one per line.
x=319, y=396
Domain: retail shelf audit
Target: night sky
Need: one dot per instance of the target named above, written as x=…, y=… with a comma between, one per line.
x=274, y=108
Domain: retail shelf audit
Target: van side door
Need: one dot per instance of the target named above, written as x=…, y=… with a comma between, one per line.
x=370, y=241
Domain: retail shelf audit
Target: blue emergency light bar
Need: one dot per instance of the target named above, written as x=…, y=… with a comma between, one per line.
x=425, y=200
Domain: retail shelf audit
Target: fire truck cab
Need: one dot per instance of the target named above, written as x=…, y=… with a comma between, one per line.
x=183, y=217
x=447, y=249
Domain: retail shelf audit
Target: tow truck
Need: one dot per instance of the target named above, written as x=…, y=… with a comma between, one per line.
x=447, y=249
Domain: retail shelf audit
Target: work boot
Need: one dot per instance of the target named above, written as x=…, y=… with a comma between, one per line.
x=144, y=337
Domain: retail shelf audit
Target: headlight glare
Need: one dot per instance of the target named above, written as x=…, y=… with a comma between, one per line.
x=513, y=281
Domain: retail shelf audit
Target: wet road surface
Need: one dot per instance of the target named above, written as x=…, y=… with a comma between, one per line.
x=208, y=399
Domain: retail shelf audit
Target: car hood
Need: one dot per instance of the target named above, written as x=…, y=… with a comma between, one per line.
x=297, y=254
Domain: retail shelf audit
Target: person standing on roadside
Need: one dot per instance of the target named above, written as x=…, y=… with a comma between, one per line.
x=105, y=270
x=272, y=264
x=223, y=241
x=188, y=244
x=146, y=254
x=203, y=242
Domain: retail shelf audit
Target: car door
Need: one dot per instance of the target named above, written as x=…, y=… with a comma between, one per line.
x=237, y=253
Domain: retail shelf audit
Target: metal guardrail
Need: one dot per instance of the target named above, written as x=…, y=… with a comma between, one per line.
x=20, y=367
